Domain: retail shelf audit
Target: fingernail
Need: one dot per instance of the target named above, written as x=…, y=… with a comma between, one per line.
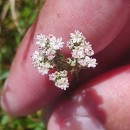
x=81, y=123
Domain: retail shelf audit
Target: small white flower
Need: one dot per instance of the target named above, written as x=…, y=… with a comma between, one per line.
x=36, y=56
x=52, y=76
x=60, y=78
x=70, y=44
x=84, y=62
x=50, y=53
x=62, y=83
x=42, y=40
x=92, y=63
x=88, y=49
x=56, y=44
x=40, y=36
x=77, y=37
x=43, y=70
x=48, y=65
x=58, y=74
x=90, y=52
x=78, y=53
x=37, y=59
x=51, y=57
x=44, y=67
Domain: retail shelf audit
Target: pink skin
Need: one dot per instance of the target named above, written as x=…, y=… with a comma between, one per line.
x=104, y=99
x=104, y=23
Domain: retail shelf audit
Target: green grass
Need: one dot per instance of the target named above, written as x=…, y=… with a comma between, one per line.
x=11, y=33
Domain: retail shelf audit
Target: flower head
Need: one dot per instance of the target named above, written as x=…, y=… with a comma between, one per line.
x=60, y=78
x=49, y=56
x=62, y=83
x=41, y=40
x=78, y=52
x=54, y=43
x=81, y=50
x=44, y=68
x=92, y=63
x=41, y=63
x=77, y=37
x=37, y=59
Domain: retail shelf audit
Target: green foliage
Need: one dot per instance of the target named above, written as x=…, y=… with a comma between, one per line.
x=30, y=122
x=15, y=18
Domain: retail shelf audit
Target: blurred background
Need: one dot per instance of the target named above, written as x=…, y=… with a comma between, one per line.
x=15, y=18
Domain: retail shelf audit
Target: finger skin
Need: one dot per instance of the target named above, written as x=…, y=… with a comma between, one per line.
x=107, y=99
x=110, y=57
x=26, y=90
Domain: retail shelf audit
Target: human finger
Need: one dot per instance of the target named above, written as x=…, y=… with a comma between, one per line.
x=25, y=90
x=101, y=104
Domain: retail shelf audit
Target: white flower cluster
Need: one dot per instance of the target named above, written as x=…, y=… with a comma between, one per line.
x=60, y=79
x=49, y=56
x=49, y=45
x=81, y=50
x=41, y=63
x=43, y=58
